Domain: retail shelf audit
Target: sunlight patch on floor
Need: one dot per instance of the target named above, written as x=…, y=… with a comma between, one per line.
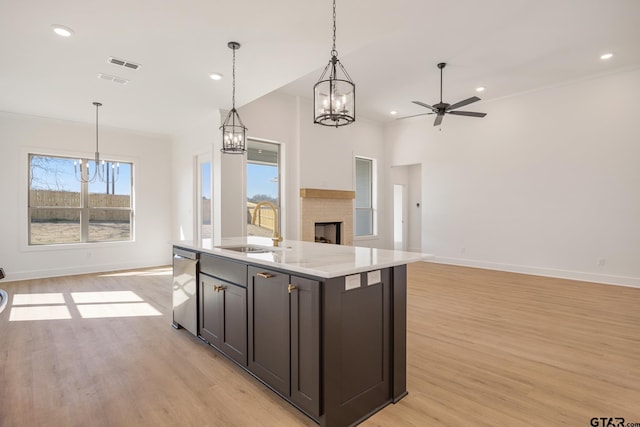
x=90, y=305
x=38, y=299
x=45, y=312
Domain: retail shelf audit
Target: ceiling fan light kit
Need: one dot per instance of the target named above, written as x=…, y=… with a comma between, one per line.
x=442, y=108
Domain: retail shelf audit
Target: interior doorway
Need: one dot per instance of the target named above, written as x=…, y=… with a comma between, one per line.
x=399, y=218
x=407, y=207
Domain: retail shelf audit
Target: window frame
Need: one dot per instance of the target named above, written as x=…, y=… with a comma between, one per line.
x=84, y=209
x=372, y=208
x=279, y=165
x=201, y=160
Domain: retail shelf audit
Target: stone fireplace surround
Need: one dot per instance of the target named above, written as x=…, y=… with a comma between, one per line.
x=318, y=205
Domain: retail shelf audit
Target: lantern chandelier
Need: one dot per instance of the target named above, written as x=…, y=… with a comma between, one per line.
x=233, y=130
x=334, y=99
x=101, y=170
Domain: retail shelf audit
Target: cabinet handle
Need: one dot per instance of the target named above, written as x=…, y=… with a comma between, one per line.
x=265, y=275
x=219, y=288
x=291, y=287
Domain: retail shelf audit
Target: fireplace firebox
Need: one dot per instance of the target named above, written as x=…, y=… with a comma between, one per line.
x=328, y=232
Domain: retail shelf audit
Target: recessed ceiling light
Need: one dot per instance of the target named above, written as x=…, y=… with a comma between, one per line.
x=606, y=56
x=215, y=76
x=480, y=89
x=393, y=113
x=61, y=30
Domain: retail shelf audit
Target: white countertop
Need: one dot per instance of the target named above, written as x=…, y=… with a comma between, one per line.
x=314, y=259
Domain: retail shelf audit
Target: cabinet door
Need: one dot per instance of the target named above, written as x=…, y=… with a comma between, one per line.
x=223, y=317
x=305, y=345
x=210, y=310
x=269, y=349
x=234, y=322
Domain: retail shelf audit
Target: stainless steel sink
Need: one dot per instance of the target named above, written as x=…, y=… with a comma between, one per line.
x=248, y=249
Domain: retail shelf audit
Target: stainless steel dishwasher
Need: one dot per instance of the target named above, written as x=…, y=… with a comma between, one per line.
x=185, y=295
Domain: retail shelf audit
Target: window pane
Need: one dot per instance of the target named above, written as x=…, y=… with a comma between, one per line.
x=205, y=205
x=262, y=185
x=109, y=225
x=364, y=222
x=52, y=182
x=54, y=226
x=115, y=191
x=363, y=183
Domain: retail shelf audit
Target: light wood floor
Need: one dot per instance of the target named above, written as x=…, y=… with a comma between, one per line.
x=484, y=348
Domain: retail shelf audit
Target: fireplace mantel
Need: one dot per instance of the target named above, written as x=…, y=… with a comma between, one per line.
x=317, y=193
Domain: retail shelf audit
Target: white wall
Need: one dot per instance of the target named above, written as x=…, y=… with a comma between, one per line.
x=22, y=134
x=274, y=118
x=414, y=210
x=313, y=157
x=547, y=183
x=327, y=162
x=197, y=140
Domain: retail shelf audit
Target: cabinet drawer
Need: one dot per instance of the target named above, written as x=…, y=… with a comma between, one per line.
x=230, y=271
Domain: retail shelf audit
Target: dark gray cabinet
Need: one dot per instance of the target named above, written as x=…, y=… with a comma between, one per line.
x=223, y=308
x=334, y=347
x=223, y=320
x=284, y=335
x=305, y=345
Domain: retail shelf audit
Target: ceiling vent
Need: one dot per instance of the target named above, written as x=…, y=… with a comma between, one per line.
x=114, y=79
x=123, y=63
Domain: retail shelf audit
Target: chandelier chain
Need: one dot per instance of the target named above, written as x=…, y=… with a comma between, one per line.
x=233, y=79
x=334, y=52
x=97, y=150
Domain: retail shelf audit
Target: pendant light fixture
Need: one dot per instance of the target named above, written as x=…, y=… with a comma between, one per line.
x=233, y=130
x=334, y=98
x=101, y=170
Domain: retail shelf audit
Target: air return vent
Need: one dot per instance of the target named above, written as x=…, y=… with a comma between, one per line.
x=123, y=63
x=114, y=79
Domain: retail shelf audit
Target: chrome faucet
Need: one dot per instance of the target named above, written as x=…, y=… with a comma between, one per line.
x=276, y=237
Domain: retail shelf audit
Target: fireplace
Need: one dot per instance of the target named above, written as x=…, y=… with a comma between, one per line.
x=328, y=232
x=320, y=207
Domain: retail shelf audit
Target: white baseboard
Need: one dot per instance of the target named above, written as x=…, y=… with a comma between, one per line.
x=82, y=269
x=607, y=279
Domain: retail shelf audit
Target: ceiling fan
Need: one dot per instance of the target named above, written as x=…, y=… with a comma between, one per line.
x=443, y=108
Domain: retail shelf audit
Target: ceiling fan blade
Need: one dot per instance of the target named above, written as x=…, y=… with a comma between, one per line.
x=463, y=103
x=415, y=115
x=438, y=120
x=467, y=113
x=422, y=104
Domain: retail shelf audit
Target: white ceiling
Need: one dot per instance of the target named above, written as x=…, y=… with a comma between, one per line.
x=390, y=49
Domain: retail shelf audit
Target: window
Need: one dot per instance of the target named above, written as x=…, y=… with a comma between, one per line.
x=364, y=219
x=64, y=210
x=204, y=231
x=263, y=185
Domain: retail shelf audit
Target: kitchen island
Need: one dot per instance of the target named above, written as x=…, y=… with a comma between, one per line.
x=322, y=325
